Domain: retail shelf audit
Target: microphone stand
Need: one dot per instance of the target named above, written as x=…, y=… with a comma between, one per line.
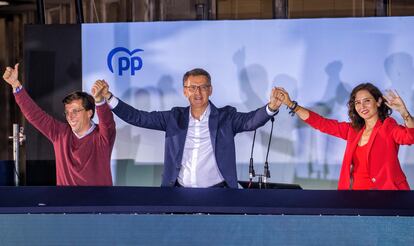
x=252, y=173
x=266, y=171
x=262, y=178
x=18, y=139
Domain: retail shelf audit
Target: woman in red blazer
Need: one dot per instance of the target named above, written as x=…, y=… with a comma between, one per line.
x=373, y=137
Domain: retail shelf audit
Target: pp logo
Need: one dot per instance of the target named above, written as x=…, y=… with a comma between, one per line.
x=125, y=60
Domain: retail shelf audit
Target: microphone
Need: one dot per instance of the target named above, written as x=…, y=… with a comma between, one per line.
x=252, y=173
x=266, y=172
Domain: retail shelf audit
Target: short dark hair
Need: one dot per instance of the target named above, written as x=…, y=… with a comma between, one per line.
x=357, y=121
x=197, y=72
x=88, y=103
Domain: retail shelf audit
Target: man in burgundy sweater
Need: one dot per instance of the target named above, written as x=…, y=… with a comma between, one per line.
x=82, y=148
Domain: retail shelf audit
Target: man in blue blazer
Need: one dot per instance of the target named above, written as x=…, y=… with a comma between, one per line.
x=199, y=139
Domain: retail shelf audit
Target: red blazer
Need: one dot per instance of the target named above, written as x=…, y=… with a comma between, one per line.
x=383, y=164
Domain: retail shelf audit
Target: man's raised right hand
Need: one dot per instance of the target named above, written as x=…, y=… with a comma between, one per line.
x=11, y=76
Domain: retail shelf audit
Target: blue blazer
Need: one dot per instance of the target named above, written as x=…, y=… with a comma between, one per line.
x=224, y=124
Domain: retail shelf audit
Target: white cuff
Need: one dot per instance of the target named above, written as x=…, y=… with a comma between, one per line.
x=270, y=112
x=113, y=102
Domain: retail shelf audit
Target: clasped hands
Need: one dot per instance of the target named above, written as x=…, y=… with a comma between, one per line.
x=100, y=90
x=278, y=97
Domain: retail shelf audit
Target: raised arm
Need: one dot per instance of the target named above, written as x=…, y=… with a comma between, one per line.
x=328, y=126
x=42, y=121
x=394, y=101
x=252, y=120
x=156, y=120
x=106, y=118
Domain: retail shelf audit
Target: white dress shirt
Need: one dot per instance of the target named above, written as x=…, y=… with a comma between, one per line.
x=198, y=165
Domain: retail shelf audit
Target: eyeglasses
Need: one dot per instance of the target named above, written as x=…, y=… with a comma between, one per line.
x=74, y=112
x=194, y=88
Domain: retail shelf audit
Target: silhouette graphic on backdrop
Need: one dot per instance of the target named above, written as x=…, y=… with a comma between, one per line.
x=399, y=68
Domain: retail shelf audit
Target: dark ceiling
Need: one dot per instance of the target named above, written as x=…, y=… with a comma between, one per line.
x=21, y=6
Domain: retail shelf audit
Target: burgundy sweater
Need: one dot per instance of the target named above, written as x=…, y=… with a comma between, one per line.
x=83, y=162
